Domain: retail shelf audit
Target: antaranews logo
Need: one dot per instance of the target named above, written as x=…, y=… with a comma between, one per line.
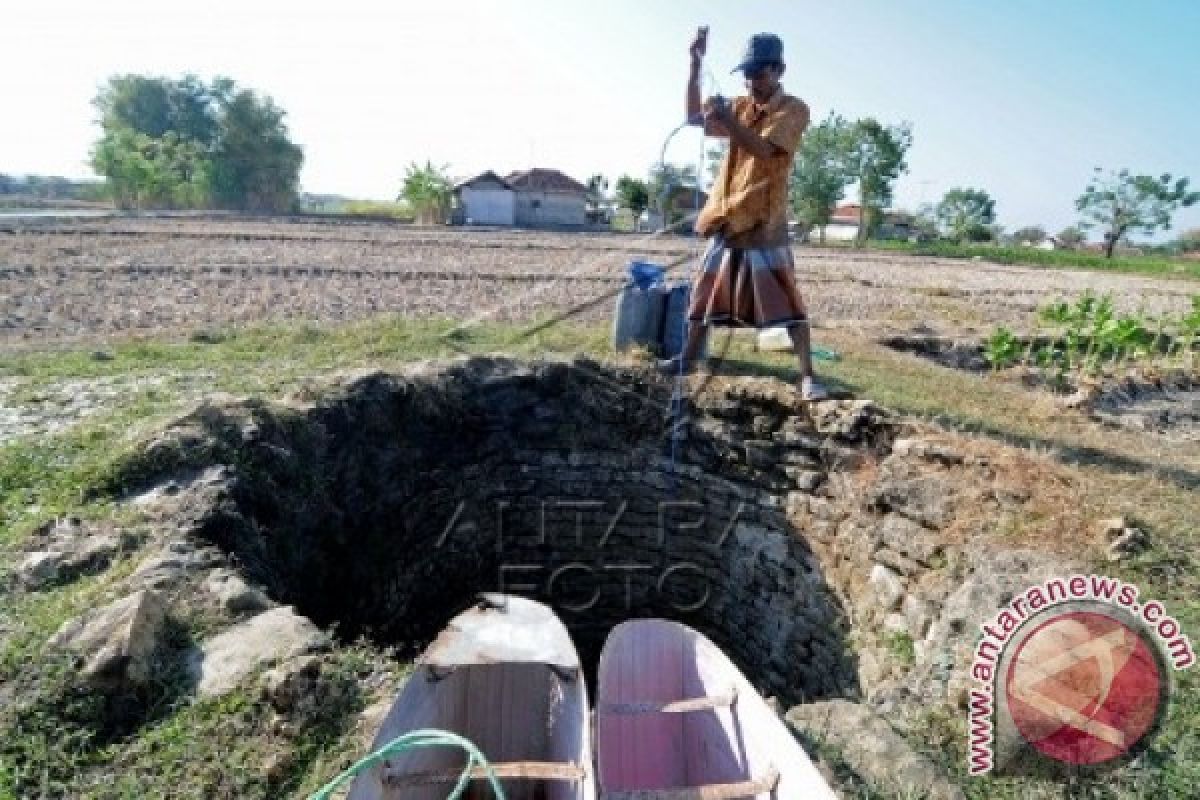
x=1074, y=671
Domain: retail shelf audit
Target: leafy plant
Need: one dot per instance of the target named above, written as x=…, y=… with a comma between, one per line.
x=1002, y=349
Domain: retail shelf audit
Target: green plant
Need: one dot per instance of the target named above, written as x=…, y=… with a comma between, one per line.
x=1002, y=349
x=901, y=646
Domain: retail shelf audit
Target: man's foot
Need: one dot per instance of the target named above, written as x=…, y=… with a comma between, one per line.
x=811, y=390
x=671, y=366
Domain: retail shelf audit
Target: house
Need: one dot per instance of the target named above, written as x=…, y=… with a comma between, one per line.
x=486, y=199
x=548, y=198
x=843, y=224
x=534, y=198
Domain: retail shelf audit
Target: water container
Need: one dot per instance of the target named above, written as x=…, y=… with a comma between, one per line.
x=638, y=316
x=673, y=334
x=645, y=274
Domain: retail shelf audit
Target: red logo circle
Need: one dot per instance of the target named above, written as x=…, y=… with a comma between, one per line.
x=1084, y=688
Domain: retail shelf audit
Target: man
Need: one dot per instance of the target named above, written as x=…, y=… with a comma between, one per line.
x=749, y=277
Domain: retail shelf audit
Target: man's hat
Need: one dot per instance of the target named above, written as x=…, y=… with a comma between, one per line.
x=763, y=48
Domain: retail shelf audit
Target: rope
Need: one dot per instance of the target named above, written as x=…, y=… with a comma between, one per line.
x=414, y=740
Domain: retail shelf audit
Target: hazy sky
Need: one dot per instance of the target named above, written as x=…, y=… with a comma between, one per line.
x=1022, y=98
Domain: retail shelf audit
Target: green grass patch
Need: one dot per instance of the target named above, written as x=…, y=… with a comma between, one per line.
x=1187, y=269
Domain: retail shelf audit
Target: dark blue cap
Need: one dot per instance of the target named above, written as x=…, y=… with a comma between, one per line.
x=763, y=48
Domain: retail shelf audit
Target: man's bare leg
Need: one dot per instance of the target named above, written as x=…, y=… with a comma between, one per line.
x=810, y=389
x=802, y=345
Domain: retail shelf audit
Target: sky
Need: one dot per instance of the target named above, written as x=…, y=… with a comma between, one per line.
x=1022, y=98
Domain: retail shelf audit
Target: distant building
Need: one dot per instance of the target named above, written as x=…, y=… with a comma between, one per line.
x=548, y=198
x=486, y=199
x=843, y=225
x=534, y=198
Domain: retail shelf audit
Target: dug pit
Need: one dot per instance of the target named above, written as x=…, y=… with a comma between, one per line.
x=384, y=507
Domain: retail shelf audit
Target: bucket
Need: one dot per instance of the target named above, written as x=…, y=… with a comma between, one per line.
x=673, y=335
x=638, y=317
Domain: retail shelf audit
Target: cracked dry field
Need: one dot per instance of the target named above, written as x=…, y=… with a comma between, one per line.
x=95, y=280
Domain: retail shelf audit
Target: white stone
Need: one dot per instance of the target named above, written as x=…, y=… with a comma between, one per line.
x=117, y=642
x=225, y=661
x=886, y=586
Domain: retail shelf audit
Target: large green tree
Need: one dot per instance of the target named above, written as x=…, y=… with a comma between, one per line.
x=965, y=214
x=875, y=158
x=633, y=194
x=427, y=191
x=821, y=173
x=255, y=165
x=183, y=143
x=1120, y=203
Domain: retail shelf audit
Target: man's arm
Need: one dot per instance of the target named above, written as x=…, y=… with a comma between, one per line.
x=695, y=108
x=747, y=139
x=780, y=137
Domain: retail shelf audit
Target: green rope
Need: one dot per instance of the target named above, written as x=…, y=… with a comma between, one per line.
x=417, y=739
x=823, y=354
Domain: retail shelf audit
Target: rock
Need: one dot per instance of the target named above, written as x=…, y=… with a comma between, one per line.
x=872, y=749
x=1130, y=542
x=161, y=571
x=900, y=563
x=234, y=594
x=917, y=614
x=886, y=587
x=294, y=687
x=1082, y=398
x=41, y=569
x=895, y=623
x=68, y=551
x=930, y=451
x=96, y=552
x=871, y=669
x=805, y=480
x=117, y=643
x=910, y=539
x=225, y=661
x=1111, y=528
x=922, y=498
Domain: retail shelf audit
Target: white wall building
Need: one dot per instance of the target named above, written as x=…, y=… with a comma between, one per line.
x=486, y=200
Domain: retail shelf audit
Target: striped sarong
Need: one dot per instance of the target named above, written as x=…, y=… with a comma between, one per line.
x=747, y=287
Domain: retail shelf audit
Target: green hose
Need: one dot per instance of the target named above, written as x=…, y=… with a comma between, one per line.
x=414, y=740
x=822, y=354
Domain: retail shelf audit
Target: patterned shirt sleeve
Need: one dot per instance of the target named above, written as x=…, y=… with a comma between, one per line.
x=786, y=126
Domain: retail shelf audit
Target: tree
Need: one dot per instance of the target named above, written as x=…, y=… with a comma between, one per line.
x=427, y=190
x=965, y=214
x=182, y=143
x=665, y=180
x=1030, y=234
x=156, y=105
x=1121, y=203
x=1189, y=240
x=1069, y=237
x=255, y=166
x=597, y=191
x=925, y=222
x=633, y=194
x=145, y=172
x=714, y=157
x=876, y=157
x=820, y=173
